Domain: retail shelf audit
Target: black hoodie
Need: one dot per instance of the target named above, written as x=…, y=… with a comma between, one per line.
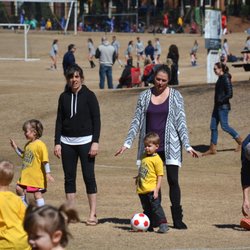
x=78, y=115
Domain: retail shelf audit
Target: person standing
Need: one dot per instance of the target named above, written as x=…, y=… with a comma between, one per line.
x=149, y=181
x=173, y=54
x=149, y=51
x=35, y=163
x=157, y=53
x=53, y=54
x=224, y=23
x=69, y=58
x=106, y=54
x=223, y=93
x=77, y=133
x=160, y=109
x=193, y=52
x=139, y=47
x=129, y=50
x=91, y=50
x=115, y=43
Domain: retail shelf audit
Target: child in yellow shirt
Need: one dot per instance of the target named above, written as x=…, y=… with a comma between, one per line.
x=12, y=211
x=149, y=183
x=35, y=163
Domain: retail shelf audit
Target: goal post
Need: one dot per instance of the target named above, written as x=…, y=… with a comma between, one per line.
x=20, y=27
x=72, y=3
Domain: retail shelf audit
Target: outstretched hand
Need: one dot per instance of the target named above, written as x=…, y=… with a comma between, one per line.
x=120, y=151
x=194, y=153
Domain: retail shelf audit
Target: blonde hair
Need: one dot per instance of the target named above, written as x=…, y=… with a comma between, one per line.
x=50, y=219
x=6, y=172
x=35, y=125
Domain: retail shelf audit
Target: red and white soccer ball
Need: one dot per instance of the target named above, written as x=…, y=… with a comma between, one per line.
x=140, y=222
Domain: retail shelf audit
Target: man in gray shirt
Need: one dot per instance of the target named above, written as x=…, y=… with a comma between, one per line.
x=106, y=54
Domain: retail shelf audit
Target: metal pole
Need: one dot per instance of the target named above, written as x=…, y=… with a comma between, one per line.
x=25, y=43
x=75, y=22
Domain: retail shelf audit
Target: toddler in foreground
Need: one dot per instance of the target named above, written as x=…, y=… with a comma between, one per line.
x=47, y=226
x=12, y=211
x=149, y=184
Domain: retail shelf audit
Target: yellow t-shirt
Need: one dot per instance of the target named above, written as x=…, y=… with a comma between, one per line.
x=151, y=167
x=12, y=234
x=33, y=173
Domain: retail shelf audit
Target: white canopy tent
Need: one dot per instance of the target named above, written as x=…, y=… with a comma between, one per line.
x=72, y=3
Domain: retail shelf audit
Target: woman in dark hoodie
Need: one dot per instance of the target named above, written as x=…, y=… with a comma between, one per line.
x=77, y=134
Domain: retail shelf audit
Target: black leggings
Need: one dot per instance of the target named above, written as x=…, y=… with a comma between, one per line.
x=70, y=154
x=173, y=182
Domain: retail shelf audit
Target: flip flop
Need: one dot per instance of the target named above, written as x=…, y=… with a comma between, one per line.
x=91, y=222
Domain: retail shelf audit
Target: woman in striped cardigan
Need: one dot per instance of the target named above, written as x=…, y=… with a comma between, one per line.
x=160, y=109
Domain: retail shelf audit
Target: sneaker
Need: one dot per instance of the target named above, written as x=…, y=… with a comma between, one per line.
x=163, y=228
x=150, y=229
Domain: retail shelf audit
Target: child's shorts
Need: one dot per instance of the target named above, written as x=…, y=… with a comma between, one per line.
x=30, y=189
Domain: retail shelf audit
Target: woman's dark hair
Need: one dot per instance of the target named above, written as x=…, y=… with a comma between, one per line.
x=55, y=41
x=174, y=49
x=222, y=66
x=71, y=46
x=225, y=69
x=90, y=40
x=162, y=68
x=72, y=69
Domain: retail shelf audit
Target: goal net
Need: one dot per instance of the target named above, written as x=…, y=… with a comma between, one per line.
x=14, y=42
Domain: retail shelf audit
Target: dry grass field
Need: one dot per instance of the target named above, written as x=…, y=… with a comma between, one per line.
x=211, y=191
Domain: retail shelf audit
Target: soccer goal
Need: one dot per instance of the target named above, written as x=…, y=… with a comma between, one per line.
x=16, y=36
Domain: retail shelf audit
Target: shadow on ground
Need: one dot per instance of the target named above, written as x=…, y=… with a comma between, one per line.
x=229, y=226
x=202, y=148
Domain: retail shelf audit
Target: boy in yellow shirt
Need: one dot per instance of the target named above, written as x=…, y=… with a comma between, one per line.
x=149, y=184
x=12, y=211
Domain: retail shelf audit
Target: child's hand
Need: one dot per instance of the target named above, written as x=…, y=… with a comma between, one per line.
x=136, y=179
x=156, y=193
x=13, y=144
x=50, y=177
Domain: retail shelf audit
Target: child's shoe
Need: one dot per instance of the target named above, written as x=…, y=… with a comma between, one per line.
x=163, y=228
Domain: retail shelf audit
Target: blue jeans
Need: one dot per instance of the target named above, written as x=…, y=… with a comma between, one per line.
x=220, y=115
x=105, y=71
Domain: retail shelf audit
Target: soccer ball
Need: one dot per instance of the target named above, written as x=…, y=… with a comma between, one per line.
x=140, y=222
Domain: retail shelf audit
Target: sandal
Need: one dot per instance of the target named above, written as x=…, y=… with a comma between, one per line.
x=92, y=222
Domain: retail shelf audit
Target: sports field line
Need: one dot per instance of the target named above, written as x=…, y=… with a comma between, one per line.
x=102, y=166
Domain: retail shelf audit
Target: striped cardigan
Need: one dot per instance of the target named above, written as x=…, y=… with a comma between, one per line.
x=176, y=132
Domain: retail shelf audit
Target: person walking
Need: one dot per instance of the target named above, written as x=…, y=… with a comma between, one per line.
x=115, y=43
x=106, y=54
x=173, y=54
x=54, y=54
x=223, y=93
x=77, y=133
x=160, y=109
x=91, y=50
x=69, y=58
